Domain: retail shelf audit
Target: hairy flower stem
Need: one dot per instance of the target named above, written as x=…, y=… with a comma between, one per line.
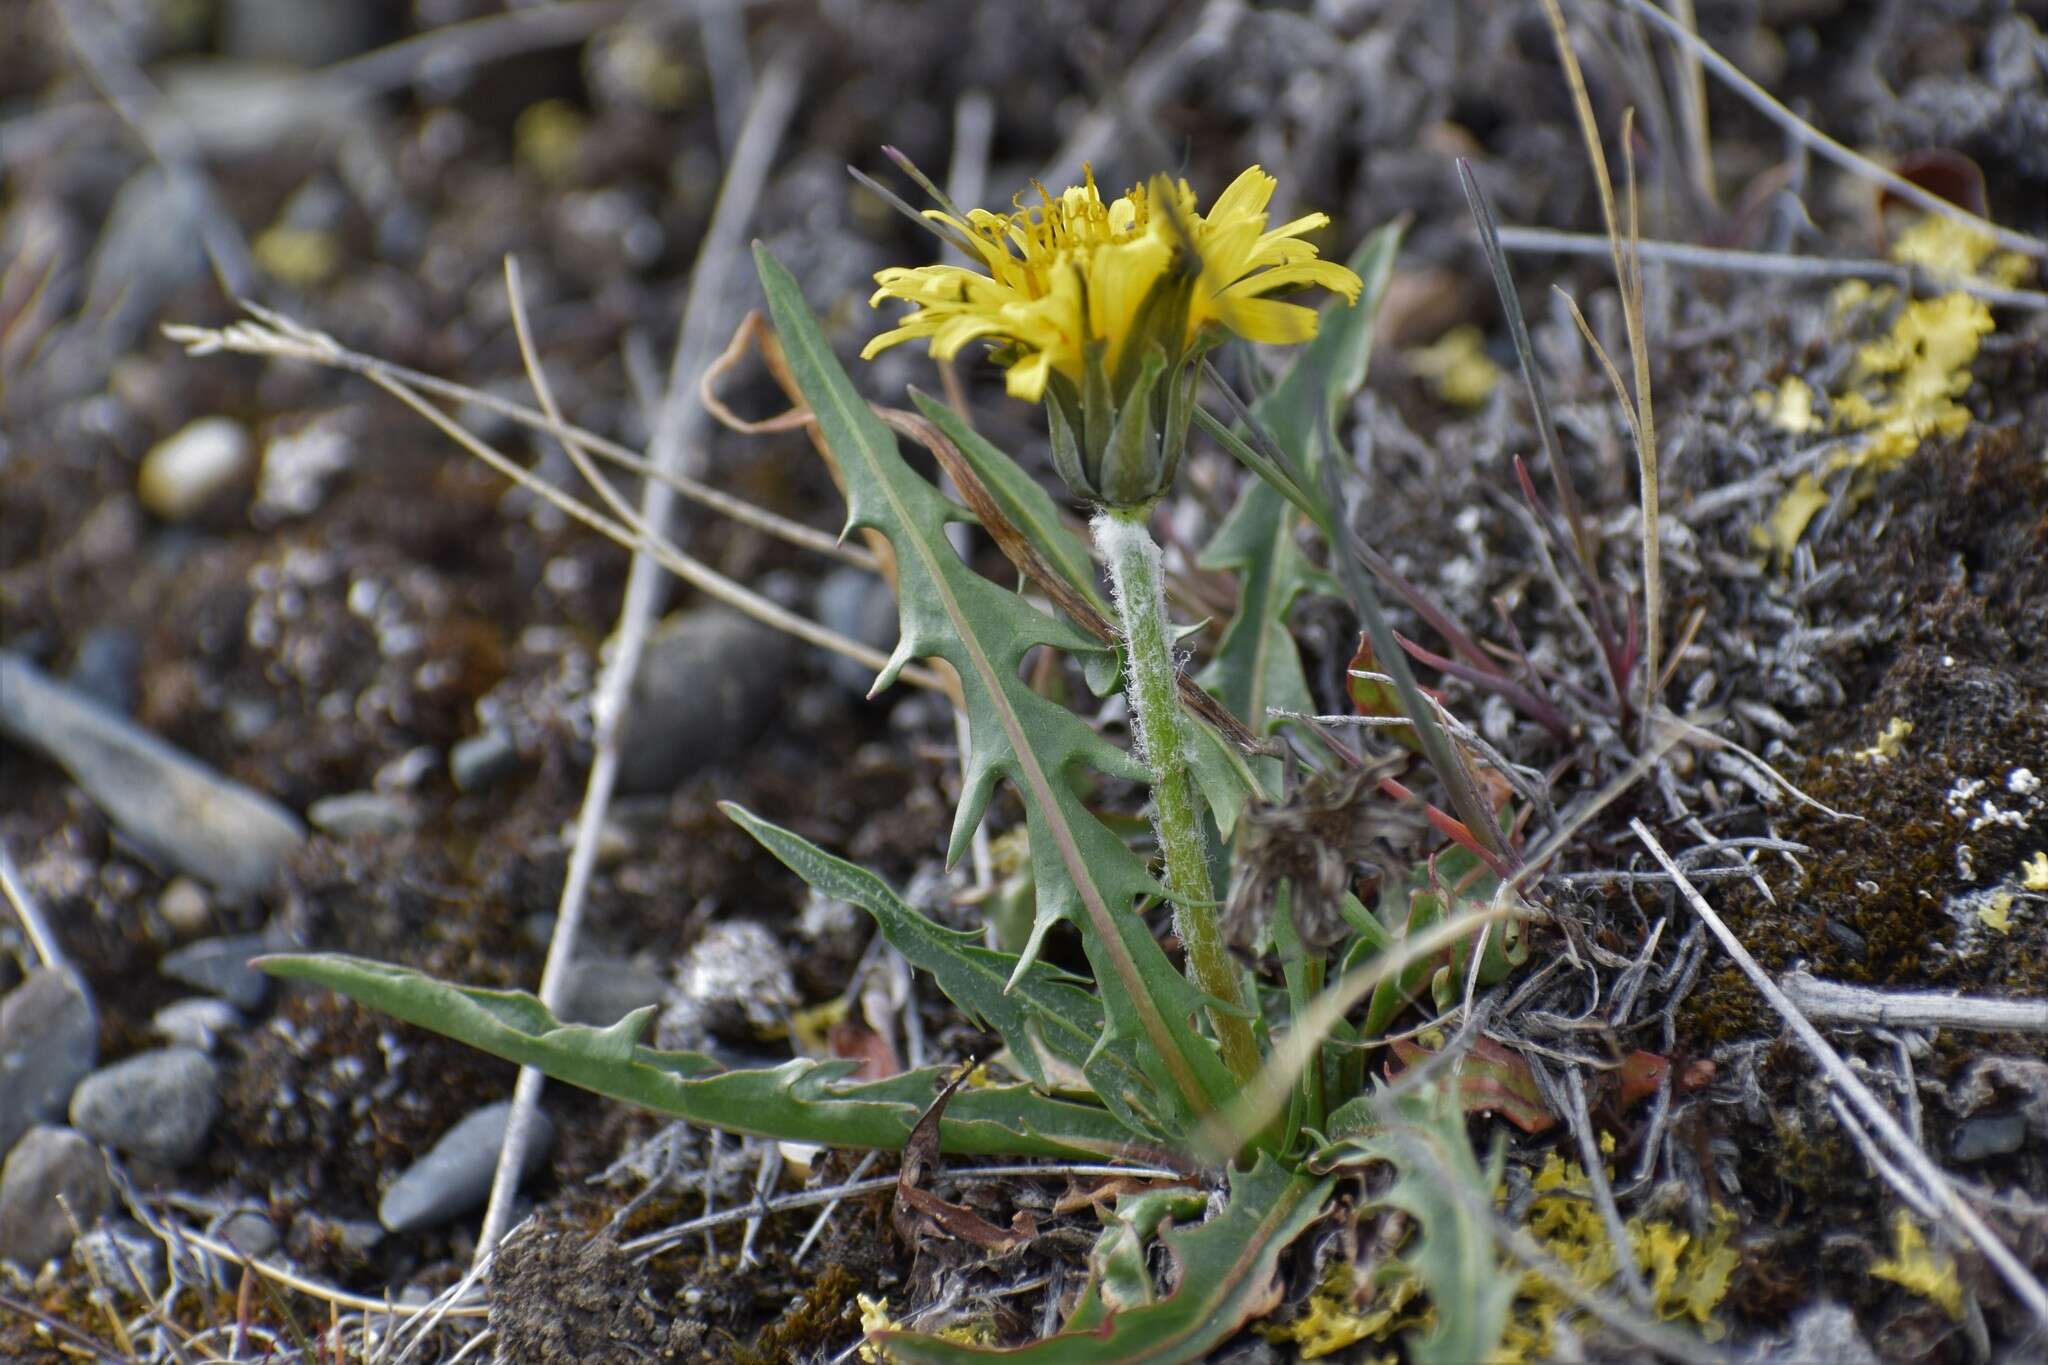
x=1162, y=733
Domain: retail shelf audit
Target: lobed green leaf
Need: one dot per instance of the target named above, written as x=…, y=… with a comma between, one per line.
x=798, y=1101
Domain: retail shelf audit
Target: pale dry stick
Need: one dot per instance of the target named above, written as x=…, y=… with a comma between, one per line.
x=1628, y=279
x=286, y=339
x=314, y=1289
x=40, y=937
x=444, y=1303
x=1687, y=256
x=765, y=1176
x=1708, y=738
x=1820, y=142
x=679, y=426
x=475, y=1343
x=1934, y=1183
x=653, y=1243
x=1835, y=1002
x=61, y=1331
x=1595, y=1167
x=169, y=143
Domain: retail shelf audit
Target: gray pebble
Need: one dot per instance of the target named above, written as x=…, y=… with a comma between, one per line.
x=710, y=682
x=861, y=607
x=220, y=966
x=363, y=813
x=47, y=1162
x=482, y=760
x=1983, y=1136
x=199, y=1022
x=249, y=1232
x=603, y=990
x=455, y=1176
x=156, y=1105
x=170, y=803
x=125, y=1257
x=49, y=1040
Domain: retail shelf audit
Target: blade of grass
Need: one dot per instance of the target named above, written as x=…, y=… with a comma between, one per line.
x=1628, y=279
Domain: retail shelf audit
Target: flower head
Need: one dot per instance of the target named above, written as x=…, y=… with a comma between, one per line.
x=1101, y=309
x=1071, y=270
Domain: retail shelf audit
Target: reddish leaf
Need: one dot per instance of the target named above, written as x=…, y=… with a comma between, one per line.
x=1493, y=1080
x=1377, y=698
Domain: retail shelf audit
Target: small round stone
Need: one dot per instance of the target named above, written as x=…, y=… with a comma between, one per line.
x=158, y=1105
x=185, y=907
x=49, y=1040
x=46, y=1163
x=184, y=472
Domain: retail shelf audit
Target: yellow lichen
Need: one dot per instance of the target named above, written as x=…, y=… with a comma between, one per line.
x=1790, y=408
x=812, y=1028
x=874, y=1317
x=1911, y=378
x=547, y=138
x=1919, y=1269
x=1943, y=246
x=2034, y=873
x=1995, y=914
x=1905, y=384
x=1687, y=1273
x=1780, y=534
x=1457, y=367
x=297, y=256
x=1889, y=743
x=1347, y=1308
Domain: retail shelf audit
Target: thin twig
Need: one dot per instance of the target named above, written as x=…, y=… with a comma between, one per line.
x=654, y=1243
x=30, y=914
x=1628, y=280
x=1932, y=1182
x=824, y=1217
x=1835, y=1002
x=1688, y=256
x=61, y=1330
x=678, y=428
x=1602, y=1192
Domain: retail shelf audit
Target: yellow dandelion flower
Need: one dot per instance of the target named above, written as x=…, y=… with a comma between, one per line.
x=1089, y=303
x=1071, y=270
